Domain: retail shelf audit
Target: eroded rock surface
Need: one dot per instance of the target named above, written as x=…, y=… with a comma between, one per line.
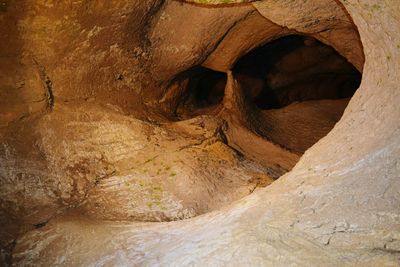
x=91, y=142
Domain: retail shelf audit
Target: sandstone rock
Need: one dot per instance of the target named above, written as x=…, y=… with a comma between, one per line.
x=89, y=146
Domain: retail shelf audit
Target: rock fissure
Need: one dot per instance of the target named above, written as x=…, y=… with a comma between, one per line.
x=47, y=84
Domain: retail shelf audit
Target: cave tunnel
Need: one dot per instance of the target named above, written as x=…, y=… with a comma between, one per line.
x=297, y=86
x=296, y=69
x=301, y=86
x=203, y=94
x=200, y=133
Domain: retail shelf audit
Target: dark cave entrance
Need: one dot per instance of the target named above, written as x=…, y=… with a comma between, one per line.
x=288, y=70
x=297, y=86
x=203, y=94
x=301, y=88
x=207, y=88
x=295, y=69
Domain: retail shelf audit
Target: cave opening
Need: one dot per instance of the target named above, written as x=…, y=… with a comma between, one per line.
x=295, y=69
x=301, y=88
x=203, y=94
x=297, y=86
x=266, y=109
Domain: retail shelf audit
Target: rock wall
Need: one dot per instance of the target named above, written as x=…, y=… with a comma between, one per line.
x=81, y=101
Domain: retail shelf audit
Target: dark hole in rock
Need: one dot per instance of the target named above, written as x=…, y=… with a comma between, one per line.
x=294, y=69
x=203, y=93
x=297, y=87
x=301, y=87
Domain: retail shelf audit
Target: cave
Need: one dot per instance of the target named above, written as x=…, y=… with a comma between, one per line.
x=301, y=86
x=202, y=94
x=199, y=132
x=296, y=69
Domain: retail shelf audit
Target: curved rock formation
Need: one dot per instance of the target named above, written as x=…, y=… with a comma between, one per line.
x=113, y=115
